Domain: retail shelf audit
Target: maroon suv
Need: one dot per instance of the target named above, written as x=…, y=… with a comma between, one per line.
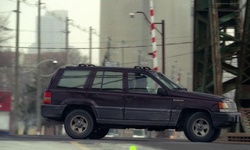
x=90, y=100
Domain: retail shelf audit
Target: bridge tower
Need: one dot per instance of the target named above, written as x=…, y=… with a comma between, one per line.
x=221, y=58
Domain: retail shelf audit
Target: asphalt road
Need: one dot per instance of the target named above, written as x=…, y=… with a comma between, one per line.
x=66, y=143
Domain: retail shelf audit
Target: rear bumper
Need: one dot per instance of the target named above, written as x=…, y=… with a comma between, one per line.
x=53, y=112
x=221, y=119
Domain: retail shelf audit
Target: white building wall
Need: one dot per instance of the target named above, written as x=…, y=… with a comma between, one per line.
x=117, y=24
x=178, y=16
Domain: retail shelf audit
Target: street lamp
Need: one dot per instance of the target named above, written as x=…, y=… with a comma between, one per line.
x=38, y=91
x=48, y=75
x=162, y=32
x=38, y=102
x=46, y=60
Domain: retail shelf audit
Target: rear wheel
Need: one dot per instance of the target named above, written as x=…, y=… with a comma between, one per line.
x=199, y=128
x=99, y=133
x=79, y=124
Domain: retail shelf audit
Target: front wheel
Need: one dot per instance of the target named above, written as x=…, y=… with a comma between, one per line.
x=79, y=124
x=216, y=135
x=199, y=128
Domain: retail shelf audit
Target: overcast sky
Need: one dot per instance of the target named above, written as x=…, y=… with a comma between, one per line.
x=84, y=13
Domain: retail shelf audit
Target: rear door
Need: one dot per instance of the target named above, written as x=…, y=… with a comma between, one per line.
x=107, y=94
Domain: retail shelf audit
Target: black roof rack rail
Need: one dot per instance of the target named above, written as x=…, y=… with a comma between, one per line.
x=86, y=65
x=146, y=68
x=139, y=67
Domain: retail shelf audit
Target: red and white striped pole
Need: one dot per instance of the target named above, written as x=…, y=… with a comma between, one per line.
x=154, y=45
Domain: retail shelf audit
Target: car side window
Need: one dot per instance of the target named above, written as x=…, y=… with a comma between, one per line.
x=108, y=81
x=142, y=83
x=73, y=79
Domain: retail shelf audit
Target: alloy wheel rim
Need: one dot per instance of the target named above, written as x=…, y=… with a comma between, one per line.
x=79, y=124
x=201, y=127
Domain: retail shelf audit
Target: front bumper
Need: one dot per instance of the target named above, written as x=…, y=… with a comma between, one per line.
x=225, y=119
x=53, y=112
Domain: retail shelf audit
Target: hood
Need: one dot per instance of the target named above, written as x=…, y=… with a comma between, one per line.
x=196, y=95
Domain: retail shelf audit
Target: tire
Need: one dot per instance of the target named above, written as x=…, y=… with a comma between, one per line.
x=99, y=133
x=79, y=124
x=199, y=128
x=216, y=135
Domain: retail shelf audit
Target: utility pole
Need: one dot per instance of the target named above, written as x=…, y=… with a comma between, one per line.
x=217, y=74
x=67, y=40
x=90, y=45
x=38, y=92
x=139, y=58
x=162, y=23
x=109, y=46
x=123, y=43
x=107, y=54
x=163, y=45
x=16, y=94
x=162, y=32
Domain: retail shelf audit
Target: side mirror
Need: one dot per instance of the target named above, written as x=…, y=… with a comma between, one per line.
x=161, y=91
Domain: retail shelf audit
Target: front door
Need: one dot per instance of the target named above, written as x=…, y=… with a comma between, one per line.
x=142, y=101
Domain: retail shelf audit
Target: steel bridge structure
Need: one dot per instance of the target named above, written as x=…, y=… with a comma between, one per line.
x=221, y=58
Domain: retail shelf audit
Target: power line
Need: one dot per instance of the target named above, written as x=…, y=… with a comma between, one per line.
x=29, y=4
x=5, y=12
x=159, y=58
x=8, y=16
x=10, y=66
x=59, y=18
x=111, y=47
x=167, y=38
x=75, y=25
x=12, y=0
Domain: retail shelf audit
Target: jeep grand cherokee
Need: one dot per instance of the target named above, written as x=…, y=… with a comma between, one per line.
x=90, y=100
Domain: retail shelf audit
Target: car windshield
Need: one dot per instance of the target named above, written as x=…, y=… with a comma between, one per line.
x=167, y=82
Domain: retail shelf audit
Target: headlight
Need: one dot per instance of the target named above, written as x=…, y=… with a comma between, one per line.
x=223, y=106
x=227, y=106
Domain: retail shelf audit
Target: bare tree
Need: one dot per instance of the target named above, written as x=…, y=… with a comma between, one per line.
x=75, y=57
x=6, y=70
x=4, y=30
x=6, y=56
x=29, y=84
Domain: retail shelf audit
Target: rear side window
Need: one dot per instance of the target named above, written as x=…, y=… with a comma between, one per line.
x=108, y=81
x=73, y=79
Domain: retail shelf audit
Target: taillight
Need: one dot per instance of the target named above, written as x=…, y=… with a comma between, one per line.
x=47, y=97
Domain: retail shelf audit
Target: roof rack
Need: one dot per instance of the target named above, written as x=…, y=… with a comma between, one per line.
x=86, y=65
x=145, y=68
